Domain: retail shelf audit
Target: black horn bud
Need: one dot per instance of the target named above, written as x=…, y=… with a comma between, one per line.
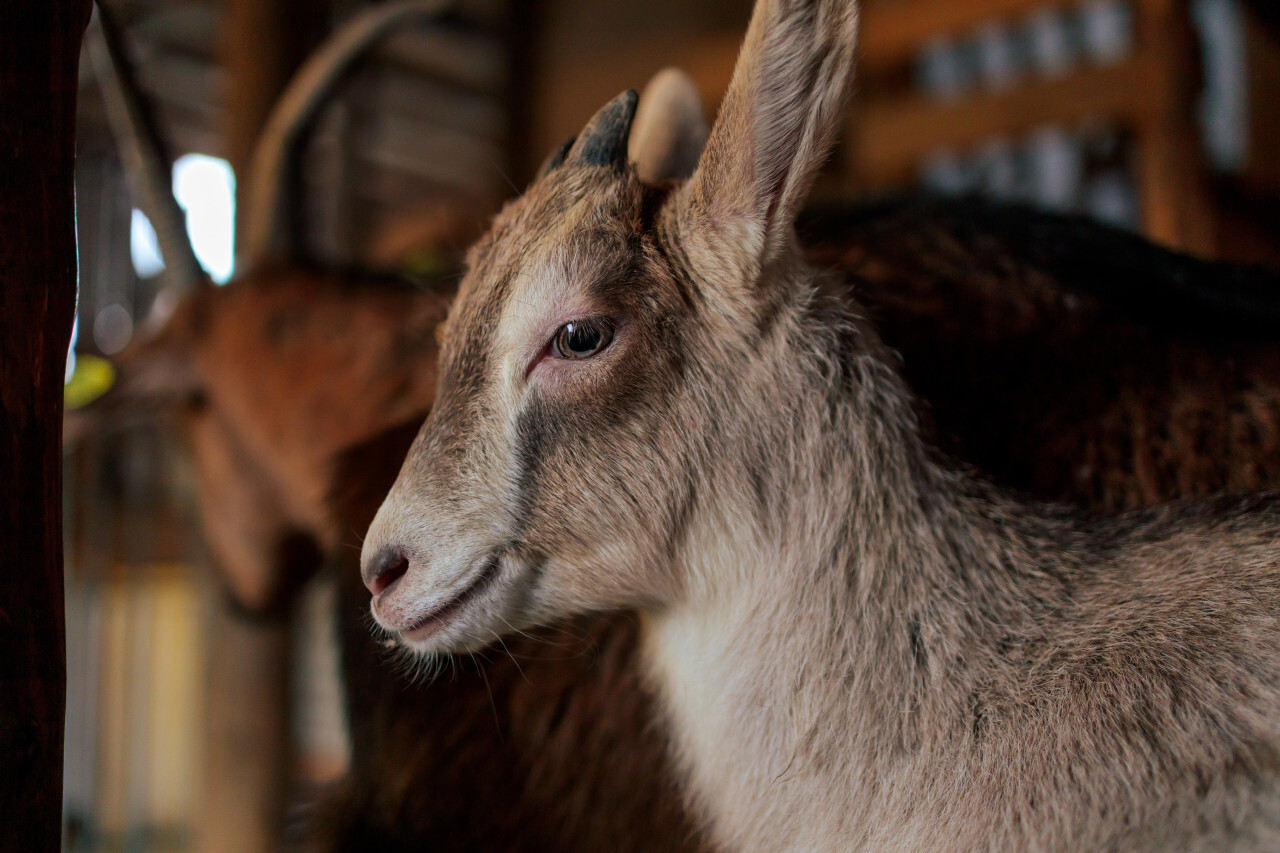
x=603, y=142
x=556, y=158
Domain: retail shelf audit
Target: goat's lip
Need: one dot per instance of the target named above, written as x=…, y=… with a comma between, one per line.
x=433, y=621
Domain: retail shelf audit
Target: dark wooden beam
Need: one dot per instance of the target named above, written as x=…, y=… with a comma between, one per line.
x=893, y=31
x=890, y=138
x=247, y=776
x=262, y=43
x=39, y=64
x=1267, y=12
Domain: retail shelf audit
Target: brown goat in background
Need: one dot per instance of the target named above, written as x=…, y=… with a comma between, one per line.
x=261, y=437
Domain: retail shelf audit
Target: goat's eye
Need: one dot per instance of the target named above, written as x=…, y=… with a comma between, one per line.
x=581, y=339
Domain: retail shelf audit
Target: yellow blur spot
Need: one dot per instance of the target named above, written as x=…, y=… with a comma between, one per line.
x=92, y=378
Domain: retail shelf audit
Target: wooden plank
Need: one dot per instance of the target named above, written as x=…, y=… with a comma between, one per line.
x=247, y=764
x=471, y=165
x=1267, y=13
x=174, y=78
x=1149, y=94
x=195, y=132
x=409, y=95
x=192, y=124
x=386, y=185
x=484, y=13
x=263, y=41
x=889, y=139
x=891, y=32
x=39, y=56
x=185, y=28
x=465, y=57
x=433, y=151
x=1177, y=208
x=1262, y=51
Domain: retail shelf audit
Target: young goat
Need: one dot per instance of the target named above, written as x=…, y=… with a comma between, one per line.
x=647, y=399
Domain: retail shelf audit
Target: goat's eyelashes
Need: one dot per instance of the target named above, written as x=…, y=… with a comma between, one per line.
x=581, y=339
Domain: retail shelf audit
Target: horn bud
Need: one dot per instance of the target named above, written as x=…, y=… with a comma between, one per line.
x=603, y=142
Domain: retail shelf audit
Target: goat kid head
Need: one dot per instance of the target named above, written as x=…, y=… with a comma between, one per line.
x=612, y=367
x=261, y=372
x=258, y=376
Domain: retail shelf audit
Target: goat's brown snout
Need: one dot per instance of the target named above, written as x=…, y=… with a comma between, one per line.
x=387, y=567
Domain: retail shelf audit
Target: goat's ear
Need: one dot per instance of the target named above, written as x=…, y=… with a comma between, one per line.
x=670, y=128
x=775, y=127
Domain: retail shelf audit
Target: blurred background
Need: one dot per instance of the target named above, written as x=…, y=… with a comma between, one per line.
x=1159, y=116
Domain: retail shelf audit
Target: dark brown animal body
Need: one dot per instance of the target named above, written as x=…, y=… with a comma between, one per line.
x=1067, y=360
x=1032, y=369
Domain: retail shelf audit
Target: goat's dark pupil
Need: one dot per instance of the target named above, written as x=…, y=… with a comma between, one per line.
x=583, y=338
x=579, y=340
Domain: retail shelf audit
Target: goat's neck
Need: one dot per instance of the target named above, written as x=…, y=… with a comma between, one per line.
x=800, y=656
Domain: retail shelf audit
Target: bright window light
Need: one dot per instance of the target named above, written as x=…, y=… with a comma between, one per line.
x=206, y=189
x=144, y=248
x=71, y=351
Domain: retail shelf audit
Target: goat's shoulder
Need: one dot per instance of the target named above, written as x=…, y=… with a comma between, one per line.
x=1163, y=646
x=1170, y=609
x=1192, y=547
x=1150, y=605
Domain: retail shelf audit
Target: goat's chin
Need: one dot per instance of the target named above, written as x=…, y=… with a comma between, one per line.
x=484, y=607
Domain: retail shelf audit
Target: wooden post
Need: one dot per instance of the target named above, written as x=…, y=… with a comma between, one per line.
x=1172, y=177
x=263, y=42
x=247, y=774
x=39, y=61
x=247, y=766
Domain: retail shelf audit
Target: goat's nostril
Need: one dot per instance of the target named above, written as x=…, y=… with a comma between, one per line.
x=387, y=568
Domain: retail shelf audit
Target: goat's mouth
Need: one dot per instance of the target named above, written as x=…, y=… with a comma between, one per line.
x=436, y=620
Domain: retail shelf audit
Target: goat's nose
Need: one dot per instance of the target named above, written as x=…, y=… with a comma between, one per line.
x=385, y=569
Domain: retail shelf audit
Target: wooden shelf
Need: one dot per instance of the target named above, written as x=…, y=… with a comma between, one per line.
x=890, y=138
x=893, y=31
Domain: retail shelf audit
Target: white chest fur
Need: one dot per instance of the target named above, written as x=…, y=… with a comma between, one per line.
x=742, y=728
